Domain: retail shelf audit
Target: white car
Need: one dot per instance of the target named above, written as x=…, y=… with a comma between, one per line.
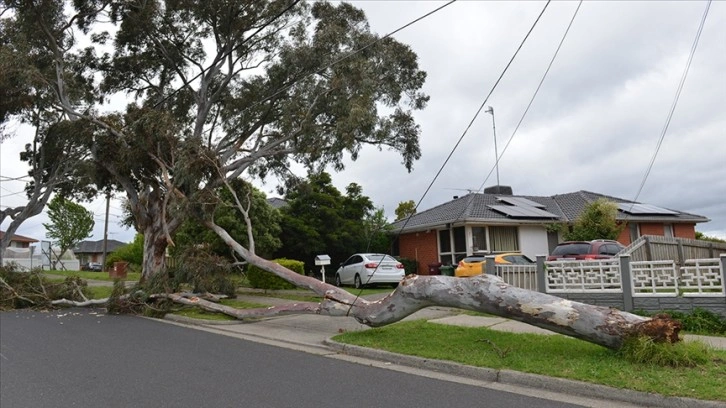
x=363, y=269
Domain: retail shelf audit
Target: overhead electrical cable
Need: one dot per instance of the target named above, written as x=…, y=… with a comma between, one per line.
x=675, y=101
x=534, y=96
x=466, y=130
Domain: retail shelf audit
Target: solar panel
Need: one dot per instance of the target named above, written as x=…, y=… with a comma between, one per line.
x=520, y=202
x=644, y=209
x=522, y=212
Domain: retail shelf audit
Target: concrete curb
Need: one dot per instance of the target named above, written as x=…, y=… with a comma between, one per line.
x=199, y=322
x=559, y=385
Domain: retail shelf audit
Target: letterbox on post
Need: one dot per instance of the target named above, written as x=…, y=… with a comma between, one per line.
x=322, y=260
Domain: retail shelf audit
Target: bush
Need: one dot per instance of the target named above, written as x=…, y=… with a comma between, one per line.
x=409, y=265
x=262, y=279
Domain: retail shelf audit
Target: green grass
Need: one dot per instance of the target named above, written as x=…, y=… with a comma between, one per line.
x=102, y=276
x=98, y=292
x=556, y=356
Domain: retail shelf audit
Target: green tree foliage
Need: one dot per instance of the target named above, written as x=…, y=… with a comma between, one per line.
x=597, y=221
x=320, y=220
x=405, y=209
x=220, y=88
x=265, y=224
x=702, y=237
x=378, y=232
x=70, y=223
x=133, y=253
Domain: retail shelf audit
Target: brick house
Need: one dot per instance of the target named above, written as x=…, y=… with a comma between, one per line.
x=92, y=251
x=19, y=241
x=504, y=222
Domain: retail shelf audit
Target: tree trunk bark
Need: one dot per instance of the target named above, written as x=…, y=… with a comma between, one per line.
x=155, y=245
x=605, y=326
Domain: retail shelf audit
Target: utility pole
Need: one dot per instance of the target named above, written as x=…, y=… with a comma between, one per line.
x=105, y=231
x=496, y=152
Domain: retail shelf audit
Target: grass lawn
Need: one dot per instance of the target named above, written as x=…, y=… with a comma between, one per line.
x=556, y=356
x=102, y=276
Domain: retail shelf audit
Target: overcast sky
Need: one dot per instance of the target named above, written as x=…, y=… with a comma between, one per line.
x=594, y=125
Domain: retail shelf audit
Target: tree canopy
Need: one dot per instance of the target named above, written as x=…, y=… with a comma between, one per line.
x=405, y=209
x=319, y=219
x=70, y=223
x=215, y=90
x=597, y=221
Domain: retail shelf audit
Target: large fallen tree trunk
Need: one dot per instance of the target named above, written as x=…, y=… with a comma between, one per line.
x=605, y=326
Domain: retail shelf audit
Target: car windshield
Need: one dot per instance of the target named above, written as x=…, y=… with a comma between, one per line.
x=572, y=249
x=379, y=258
x=473, y=259
x=519, y=259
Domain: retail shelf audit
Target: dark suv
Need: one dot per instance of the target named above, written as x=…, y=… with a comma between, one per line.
x=583, y=250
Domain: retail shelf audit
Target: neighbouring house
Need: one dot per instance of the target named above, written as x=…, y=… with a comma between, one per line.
x=92, y=251
x=489, y=222
x=18, y=241
x=276, y=202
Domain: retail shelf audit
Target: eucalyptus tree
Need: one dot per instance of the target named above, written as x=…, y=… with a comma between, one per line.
x=217, y=90
x=54, y=152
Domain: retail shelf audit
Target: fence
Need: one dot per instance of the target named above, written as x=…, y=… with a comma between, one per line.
x=625, y=284
x=660, y=248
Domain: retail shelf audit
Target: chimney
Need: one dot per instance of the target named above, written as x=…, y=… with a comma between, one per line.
x=503, y=190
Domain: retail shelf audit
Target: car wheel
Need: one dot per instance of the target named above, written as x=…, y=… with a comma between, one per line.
x=358, y=283
x=337, y=280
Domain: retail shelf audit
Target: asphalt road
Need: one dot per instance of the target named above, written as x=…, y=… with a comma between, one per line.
x=78, y=358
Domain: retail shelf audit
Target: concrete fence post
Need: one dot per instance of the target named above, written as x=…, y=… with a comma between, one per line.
x=541, y=274
x=626, y=282
x=489, y=266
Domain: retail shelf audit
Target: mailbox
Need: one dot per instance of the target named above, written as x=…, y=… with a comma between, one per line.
x=322, y=260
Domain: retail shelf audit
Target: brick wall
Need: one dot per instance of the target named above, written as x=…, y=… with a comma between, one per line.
x=420, y=246
x=651, y=229
x=685, y=230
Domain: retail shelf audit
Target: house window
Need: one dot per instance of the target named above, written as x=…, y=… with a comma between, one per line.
x=444, y=242
x=668, y=230
x=478, y=239
x=459, y=244
x=504, y=239
x=448, y=254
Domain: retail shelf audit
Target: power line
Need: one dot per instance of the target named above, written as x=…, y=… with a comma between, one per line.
x=529, y=105
x=466, y=130
x=675, y=101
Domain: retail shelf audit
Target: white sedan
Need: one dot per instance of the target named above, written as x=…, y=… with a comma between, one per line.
x=363, y=269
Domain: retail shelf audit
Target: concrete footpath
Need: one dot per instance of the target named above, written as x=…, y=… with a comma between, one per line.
x=312, y=333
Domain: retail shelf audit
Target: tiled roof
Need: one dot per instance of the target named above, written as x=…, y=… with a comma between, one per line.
x=96, y=247
x=474, y=207
x=276, y=202
x=18, y=238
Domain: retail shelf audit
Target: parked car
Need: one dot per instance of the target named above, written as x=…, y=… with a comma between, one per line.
x=474, y=265
x=365, y=269
x=92, y=266
x=584, y=250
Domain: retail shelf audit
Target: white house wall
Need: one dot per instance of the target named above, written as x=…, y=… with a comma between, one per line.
x=533, y=240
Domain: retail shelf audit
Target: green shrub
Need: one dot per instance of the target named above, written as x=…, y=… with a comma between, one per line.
x=409, y=265
x=262, y=279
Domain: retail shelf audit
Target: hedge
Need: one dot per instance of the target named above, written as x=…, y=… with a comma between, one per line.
x=262, y=279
